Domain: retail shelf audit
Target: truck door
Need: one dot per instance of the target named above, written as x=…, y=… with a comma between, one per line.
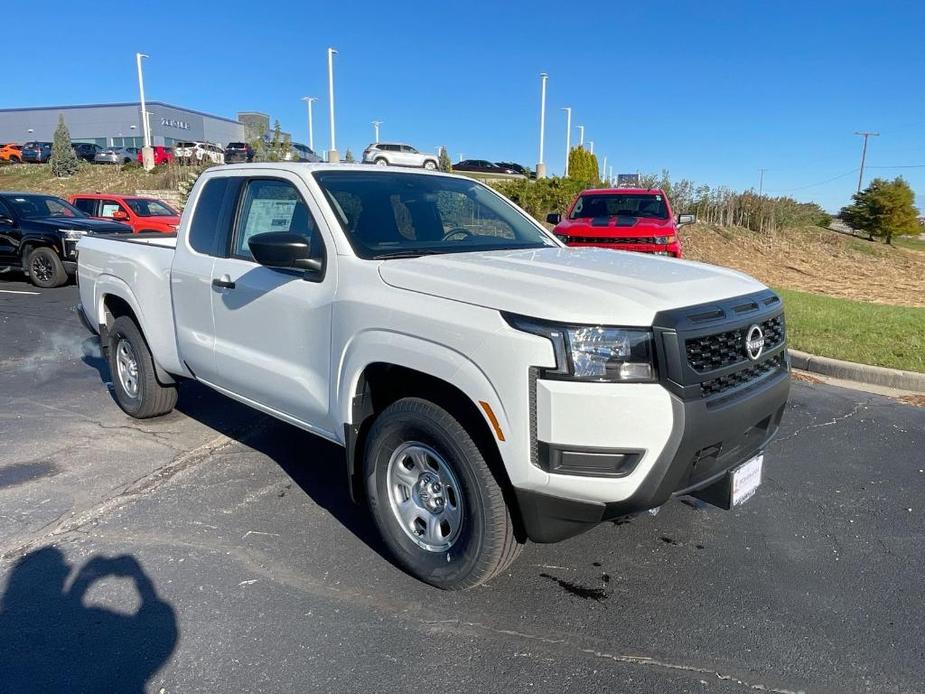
x=272, y=327
x=9, y=235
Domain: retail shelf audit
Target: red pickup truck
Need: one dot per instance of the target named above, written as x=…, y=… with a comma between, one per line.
x=142, y=214
x=626, y=219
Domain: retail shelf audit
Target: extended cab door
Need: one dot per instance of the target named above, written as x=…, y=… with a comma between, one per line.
x=273, y=327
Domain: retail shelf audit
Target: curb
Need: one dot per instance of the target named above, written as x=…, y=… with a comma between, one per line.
x=863, y=373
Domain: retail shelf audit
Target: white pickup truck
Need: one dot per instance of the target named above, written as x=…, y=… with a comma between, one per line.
x=489, y=384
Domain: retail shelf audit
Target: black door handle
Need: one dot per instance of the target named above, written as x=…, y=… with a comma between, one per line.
x=223, y=283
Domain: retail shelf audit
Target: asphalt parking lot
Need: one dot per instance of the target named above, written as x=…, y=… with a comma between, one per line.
x=215, y=549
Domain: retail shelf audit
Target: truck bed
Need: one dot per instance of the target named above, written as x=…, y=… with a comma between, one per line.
x=135, y=268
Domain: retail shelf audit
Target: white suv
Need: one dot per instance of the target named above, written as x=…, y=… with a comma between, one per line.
x=200, y=151
x=398, y=154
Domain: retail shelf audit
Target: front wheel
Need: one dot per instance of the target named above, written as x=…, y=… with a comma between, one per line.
x=381, y=162
x=46, y=269
x=437, y=505
x=134, y=381
x=430, y=165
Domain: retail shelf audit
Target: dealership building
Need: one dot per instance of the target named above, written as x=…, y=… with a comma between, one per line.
x=121, y=124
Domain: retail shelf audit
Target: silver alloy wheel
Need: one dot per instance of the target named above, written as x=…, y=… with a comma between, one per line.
x=42, y=269
x=382, y=162
x=425, y=496
x=429, y=165
x=127, y=368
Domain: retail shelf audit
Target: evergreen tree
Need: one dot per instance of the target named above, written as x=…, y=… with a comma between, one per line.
x=348, y=157
x=583, y=166
x=63, y=160
x=884, y=209
x=444, y=163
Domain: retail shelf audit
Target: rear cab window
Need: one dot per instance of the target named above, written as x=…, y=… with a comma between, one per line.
x=87, y=205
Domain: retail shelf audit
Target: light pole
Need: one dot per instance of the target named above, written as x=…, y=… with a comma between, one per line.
x=541, y=166
x=147, y=153
x=568, y=136
x=604, y=168
x=460, y=157
x=864, y=155
x=581, y=135
x=591, y=146
x=376, y=124
x=332, y=153
x=611, y=175
x=309, y=100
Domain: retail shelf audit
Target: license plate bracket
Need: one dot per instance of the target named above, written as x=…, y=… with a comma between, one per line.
x=736, y=487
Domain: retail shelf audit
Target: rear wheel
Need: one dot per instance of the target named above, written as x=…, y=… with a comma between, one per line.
x=134, y=380
x=436, y=503
x=46, y=269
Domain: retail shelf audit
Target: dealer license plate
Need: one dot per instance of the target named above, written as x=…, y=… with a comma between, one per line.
x=746, y=479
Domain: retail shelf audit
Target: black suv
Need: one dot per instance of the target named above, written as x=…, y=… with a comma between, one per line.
x=39, y=234
x=86, y=150
x=237, y=152
x=36, y=152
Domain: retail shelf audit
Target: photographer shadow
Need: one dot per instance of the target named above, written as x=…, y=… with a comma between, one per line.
x=54, y=642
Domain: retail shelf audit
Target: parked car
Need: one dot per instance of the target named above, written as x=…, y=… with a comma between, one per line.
x=469, y=363
x=398, y=154
x=36, y=152
x=626, y=219
x=142, y=214
x=482, y=166
x=199, y=152
x=516, y=168
x=117, y=155
x=300, y=152
x=86, y=150
x=11, y=152
x=162, y=155
x=39, y=234
x=237, y=152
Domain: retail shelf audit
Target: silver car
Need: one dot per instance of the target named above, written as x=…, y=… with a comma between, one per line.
x=398, y=154
x=116, y=155
x=300, y=152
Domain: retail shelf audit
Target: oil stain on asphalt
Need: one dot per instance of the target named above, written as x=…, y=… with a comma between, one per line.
x=21, y=473
x=583, y=592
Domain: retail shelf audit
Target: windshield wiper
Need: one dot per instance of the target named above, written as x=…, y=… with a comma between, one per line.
x=405, y=254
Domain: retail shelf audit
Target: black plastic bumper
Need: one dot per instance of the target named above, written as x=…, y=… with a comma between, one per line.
x=707, y=440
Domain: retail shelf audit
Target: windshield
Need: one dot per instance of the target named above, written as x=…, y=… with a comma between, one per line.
x=622, y=204
x=399, y=214
x=144, y=207
x=37, y=206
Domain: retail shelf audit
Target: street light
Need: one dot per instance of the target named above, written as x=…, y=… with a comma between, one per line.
x=590, y=146
x=309, y=100
x=568, y=136
x=376, y=124
x=332, y=153
x=604, y=168
x=147, y=154
x=581, y=135
x=541, y=166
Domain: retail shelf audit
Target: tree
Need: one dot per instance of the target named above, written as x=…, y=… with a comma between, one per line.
x=63, y=160
x=444, y=163
x=583, y=166
x=348, y=156
x=279, y=146
x=884, y=209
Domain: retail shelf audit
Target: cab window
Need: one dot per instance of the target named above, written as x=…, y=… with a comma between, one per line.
x=272, y=205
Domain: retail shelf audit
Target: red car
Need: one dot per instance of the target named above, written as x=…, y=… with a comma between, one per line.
x=162, y=155
x=626, y=219
x=142, y=214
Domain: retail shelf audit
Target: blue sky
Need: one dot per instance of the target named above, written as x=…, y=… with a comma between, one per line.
x=711, y=91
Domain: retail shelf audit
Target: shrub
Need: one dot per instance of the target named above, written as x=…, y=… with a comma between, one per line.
x=583, y=166
x=63, y=160
x=444, y=163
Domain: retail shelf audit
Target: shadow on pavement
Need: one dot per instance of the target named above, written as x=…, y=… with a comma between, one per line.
x=53, y=642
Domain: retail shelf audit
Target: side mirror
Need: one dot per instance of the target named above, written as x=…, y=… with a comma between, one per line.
x=686, y=219
x=283, y=250
x=120, y=216
x=7, y=221
x=553, y=218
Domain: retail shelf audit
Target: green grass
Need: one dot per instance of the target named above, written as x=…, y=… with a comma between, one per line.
x=892, y=336
x=911, y=242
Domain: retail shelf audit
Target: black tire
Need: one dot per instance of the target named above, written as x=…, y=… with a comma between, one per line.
x=486, y=542
x=150, y=398
x=45, y=268
x=15, y=160
x=381, y=161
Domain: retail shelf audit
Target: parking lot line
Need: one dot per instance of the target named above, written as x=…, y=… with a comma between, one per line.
x=12, y=291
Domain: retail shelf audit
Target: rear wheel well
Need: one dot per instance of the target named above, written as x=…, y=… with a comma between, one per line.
x=116, y=307
x=381, y=384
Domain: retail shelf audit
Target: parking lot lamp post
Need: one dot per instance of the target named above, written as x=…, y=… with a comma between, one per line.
x=309, y=100
x=460, y=156
x=147, y=153
x=376, y=124
x=590, y=146
x=611, y=175
x=604, y=168
x=581, y=135
x=541, y=165
x=568, y=136
x=332, y=153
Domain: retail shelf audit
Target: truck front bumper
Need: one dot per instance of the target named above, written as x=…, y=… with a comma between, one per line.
x=688, y=445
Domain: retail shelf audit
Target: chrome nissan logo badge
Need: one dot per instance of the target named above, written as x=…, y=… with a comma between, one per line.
x=754, y=342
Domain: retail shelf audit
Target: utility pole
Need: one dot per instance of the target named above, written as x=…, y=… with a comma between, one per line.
x=541, y=165
x=311, y=134
x=864, y=155
x=376, y=124
x=332, y=153
x=568, y=136
x=761, y=181
x=581, y=135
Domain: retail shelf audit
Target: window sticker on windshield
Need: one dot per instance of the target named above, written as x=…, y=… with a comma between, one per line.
x=658, y=197
x=269, y=215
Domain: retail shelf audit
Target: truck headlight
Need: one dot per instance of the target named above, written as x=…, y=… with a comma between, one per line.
x=663, y=240
x=594, y=352
x=73, y=234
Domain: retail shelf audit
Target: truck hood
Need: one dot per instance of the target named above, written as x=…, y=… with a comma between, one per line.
x=90, y=225
x=611, y=227
x=575, y=285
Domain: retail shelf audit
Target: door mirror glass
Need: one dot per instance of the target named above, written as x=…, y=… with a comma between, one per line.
x=284, y=250
x=686, y=219
x=553, y=218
